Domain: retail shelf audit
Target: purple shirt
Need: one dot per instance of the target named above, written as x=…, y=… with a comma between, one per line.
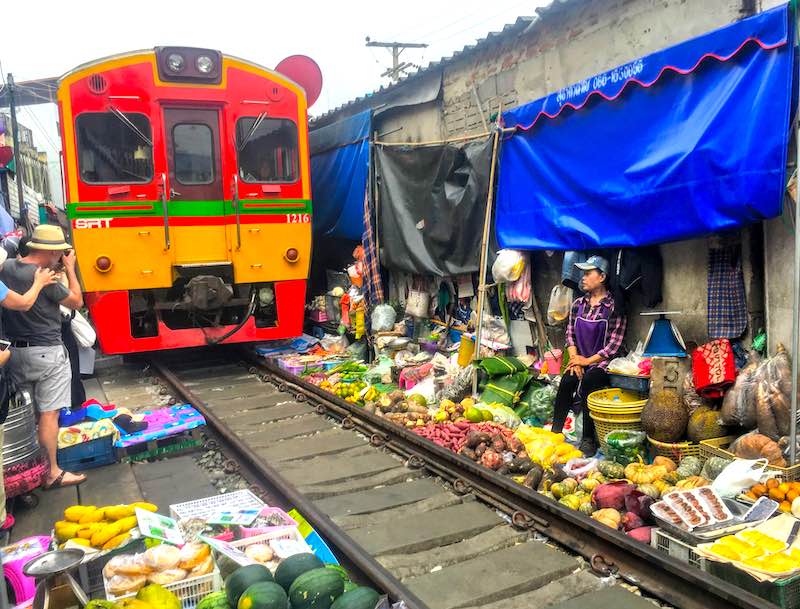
x=616, y=326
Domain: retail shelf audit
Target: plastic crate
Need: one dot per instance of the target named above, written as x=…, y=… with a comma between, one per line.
x=189, y=591
x=639, y=384
x=87, y=455
x=208, y=506
x=680, y=550
x=90, y=573
x=715, y=447
x=785, y=593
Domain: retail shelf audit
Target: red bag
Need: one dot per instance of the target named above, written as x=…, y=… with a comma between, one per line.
x=714, y=368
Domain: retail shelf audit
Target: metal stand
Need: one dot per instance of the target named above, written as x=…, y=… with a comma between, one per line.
x=47, y=567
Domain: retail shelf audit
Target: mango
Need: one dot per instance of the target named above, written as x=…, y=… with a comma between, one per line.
x=116, y=541
x=118, y=512
x=66, y=530
x=126, y=524
x=145, y=506
x=87, y=530
x=101, y=537
x=74, y=513
x=81, y=542
x=94, y=515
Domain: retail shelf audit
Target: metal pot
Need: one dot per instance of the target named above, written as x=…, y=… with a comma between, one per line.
x=20, y=441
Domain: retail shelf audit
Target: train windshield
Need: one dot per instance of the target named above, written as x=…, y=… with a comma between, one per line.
x=267, y=149
x=114, y=148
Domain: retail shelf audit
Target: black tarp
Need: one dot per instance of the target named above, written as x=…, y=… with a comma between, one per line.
x=432, y=206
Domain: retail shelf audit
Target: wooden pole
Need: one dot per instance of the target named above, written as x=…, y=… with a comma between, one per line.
x=487, y=225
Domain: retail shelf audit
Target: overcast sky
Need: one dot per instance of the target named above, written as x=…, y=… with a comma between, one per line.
x=50, y=37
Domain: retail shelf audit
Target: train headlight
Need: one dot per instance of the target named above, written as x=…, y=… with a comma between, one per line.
x=292, y=255
x=176, y=62
x=204, y=64
x=103, y=264
x=266, y=296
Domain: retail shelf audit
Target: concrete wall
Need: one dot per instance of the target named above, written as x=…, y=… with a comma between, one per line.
x=574, y=41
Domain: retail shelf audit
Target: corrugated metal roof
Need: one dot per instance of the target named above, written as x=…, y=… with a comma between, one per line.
x=521, y=25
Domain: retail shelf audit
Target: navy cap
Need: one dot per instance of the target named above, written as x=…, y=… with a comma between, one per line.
x=594, y=262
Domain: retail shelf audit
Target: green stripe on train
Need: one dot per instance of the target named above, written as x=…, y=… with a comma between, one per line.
x=187, y=208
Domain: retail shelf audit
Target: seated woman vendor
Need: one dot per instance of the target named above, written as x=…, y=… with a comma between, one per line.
x=594, y=337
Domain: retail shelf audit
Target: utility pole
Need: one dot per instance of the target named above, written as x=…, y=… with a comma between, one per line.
x=398, y=68
x=23, y=210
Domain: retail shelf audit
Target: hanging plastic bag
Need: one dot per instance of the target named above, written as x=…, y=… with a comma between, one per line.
x=383, y=318
x=560, y=304
x=573, y=427
x=508, y=266
x=738, y=476
x=83, y=331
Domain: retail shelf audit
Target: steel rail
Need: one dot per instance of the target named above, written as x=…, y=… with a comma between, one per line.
x=607, y=550
x=319, y=520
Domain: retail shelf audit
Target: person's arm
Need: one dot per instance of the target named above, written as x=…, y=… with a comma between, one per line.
x=23, y=302
x=617, y=324
x=75, y=298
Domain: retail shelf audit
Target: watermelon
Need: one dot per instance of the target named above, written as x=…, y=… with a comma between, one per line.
x=244, y=577
x=359, y=598
x=316, y=589
x=293, y=567
x=263, y=595
x=215, y=600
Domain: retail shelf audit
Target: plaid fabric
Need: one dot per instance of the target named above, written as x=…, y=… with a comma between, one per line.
x=617, y=324
x=727, y=304
x=372, y=269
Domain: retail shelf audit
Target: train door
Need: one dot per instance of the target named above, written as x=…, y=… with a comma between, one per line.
x=195, y=189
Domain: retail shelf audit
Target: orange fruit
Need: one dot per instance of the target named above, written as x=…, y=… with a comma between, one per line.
x=776, y=494
x=785, y=506
x=792, y=495
x=795, y=486
x=784, y=487
x=750, y=495
x=772, y=483
x=758, y=490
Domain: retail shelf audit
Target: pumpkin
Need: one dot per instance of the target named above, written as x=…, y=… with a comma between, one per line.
x=547, y=494
x=692, y=482
x=651, y=490
x=609, y=517
x=670, y=478
x=586, y=508
x=660, y=486
x=611, y=469
x=570, y=484
x=558, y=490
x=689, y=466
x=666, y=462
x=639, y=473
x=573, y=502
x=589, y=484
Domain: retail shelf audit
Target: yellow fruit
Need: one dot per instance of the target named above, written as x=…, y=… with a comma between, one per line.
x=126, y=524
x=468, y=403
x=87, y=530
x=115, y=541
x=145, y=506
x=118, y=512
x=66, y=530
x=94, y=515
x=81, y=542
x=487, y=415
x=105, y=534
x=76, y=512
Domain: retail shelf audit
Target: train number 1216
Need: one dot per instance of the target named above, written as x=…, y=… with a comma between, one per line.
x=298, y=218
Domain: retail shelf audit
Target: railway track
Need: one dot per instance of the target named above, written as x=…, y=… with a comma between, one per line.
x=414, y=519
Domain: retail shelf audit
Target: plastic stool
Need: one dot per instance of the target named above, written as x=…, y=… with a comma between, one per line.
x=15, y=557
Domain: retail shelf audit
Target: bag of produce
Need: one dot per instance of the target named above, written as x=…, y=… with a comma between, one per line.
x=560, y=304
x=739, y=405
x=757, y=446
x=508, y=266
x=502, y=414
x=773, y=391
x=537, y=403
x=626, y=446
x=383, y=318
x=580, y=468
x=691, y=399
x=460, y=388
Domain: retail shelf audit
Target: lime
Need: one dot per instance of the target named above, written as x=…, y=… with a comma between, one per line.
x=487, y=415
x=417, y=398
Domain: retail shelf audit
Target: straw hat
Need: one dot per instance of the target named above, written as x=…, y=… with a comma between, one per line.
x=48, y=237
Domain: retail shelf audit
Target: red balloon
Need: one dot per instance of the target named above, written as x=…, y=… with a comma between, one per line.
x=305, y=72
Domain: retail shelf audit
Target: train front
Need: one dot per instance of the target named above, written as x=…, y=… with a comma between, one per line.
x=187, y=181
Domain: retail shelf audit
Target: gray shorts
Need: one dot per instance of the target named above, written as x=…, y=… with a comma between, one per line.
x=45, y=373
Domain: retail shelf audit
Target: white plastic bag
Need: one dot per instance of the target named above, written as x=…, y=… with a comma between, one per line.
x=383, y=318
x=560, y=304
x=508, y=266
x=83, y=331
x=738, y=476
x=580, y=468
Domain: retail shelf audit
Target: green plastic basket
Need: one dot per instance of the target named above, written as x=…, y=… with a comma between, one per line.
x=784, y=592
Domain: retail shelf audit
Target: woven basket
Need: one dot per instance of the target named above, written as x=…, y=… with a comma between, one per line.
x=716, y=447
x=673, y=450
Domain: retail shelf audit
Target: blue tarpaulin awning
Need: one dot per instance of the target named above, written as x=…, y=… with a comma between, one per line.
x=678, y=144
x=339, y=173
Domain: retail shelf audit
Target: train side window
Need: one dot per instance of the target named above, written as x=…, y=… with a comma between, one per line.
x=194, y=153
x=114, y=148
x=267, y=150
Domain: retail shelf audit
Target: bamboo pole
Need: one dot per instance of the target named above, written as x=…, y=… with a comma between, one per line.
x=487, y=224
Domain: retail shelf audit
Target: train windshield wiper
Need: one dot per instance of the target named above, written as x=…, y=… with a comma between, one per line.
x=126, y=121
x=250, y=133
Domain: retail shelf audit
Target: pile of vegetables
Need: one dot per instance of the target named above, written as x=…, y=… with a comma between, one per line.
x=545, y=447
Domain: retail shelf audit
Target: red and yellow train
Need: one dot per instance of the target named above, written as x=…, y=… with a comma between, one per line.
x=187, y=182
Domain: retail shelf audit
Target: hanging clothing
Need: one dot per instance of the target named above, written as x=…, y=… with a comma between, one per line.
x=713, y=368
x=372, y=268
x=639, y=269
x=727, y=302
x=598, y=329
